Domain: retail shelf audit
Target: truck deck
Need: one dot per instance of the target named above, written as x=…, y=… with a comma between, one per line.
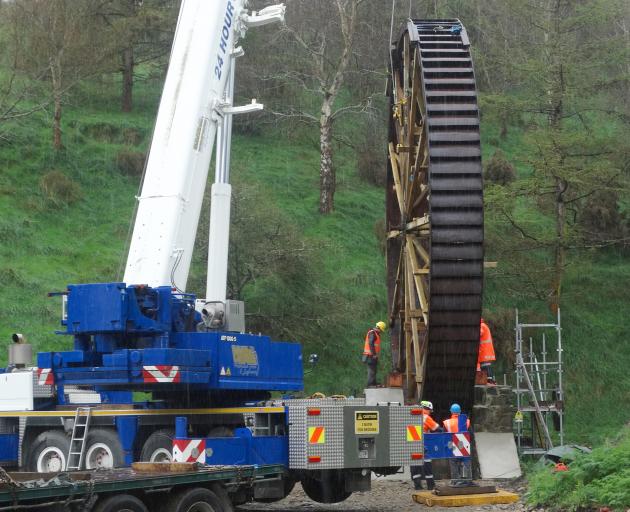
x=21, y=490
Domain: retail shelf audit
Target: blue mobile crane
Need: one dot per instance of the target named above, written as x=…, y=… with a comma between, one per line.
x=209, y=381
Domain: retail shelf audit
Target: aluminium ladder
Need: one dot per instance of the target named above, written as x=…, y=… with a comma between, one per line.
x=79, y=437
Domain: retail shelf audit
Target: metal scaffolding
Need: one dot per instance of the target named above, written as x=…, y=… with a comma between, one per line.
x=539, y=394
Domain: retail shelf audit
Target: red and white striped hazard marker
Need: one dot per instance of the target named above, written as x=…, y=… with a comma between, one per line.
x=189, y=450
x=161, y=373
x=461, y=444
x=45, y=377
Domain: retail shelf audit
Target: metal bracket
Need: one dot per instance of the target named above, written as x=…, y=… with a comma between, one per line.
x=270, y=14
x=227, y=108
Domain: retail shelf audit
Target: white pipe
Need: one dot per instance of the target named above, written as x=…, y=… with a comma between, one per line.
x=219, y=237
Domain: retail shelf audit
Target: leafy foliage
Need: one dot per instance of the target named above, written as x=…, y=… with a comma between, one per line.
x=598, y=479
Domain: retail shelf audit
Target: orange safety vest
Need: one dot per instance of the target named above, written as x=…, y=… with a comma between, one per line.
x=377, y=343
x=452, y=424
x=428, y=423
x=486, y=348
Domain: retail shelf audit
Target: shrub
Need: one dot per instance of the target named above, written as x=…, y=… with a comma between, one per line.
x=598, y=479
x=130, y=162
x=601, y=218
x=499, y=170
x=59, y=190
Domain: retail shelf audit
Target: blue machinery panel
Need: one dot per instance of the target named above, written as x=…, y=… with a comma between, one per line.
x=142, y=338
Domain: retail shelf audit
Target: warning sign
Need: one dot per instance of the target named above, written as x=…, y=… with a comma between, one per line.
x=366, y=422
x=316, y=435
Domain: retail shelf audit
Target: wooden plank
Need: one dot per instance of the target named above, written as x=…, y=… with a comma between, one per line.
x=395, y=173
x=422, y=252
x=418, y=222
x=164, y=467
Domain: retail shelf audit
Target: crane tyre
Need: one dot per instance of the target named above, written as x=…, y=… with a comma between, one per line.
x=158, y=447
x=196, y=499
x=49, y=452
x=103, y=450
x=120, y=503
x=327, y=487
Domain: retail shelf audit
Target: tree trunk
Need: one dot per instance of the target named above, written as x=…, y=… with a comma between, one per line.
x=55, y=73
x=326, y=169
x=556, y=110
x=127, y=79
x=560, y=246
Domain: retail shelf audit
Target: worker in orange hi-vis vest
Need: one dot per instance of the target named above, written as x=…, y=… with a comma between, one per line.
x=425, y=472
x=486, y=353
x=461, y=469
x=372, y=350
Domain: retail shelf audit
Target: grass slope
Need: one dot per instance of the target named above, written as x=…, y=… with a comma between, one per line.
x=44, y=247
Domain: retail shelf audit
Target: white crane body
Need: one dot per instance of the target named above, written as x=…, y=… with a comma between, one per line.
x=196, y=103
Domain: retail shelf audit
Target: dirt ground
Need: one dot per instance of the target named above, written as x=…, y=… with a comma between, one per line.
x=386, y=496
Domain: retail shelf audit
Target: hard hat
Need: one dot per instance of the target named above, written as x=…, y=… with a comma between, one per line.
x=425, y=404
x=456, y=409
x=381, y=325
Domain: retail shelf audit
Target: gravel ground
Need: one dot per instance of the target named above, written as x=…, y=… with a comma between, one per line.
x=386, y=496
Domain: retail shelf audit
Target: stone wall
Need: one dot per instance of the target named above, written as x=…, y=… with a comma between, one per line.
x=493, y=410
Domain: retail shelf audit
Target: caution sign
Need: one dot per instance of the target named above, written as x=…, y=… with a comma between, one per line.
x=316, y=435
x=414, y=433
x=366, y=422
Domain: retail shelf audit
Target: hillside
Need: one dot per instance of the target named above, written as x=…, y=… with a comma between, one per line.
x=48, y=243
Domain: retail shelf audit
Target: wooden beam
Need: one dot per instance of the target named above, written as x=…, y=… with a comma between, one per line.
x=422, y=251
x=418, y=222
x=395, y=173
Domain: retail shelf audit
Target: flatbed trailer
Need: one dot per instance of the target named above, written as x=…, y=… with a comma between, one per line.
x=167, y=487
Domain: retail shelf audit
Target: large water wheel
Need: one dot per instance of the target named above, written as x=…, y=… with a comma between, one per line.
x=434, y=213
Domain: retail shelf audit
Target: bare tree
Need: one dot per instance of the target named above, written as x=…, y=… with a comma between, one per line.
x=65, y=38
x=326, y=44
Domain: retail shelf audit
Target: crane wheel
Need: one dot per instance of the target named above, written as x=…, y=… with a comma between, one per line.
x=103, y=450
x=158, y=447
x=120, y=503
x=48, y=452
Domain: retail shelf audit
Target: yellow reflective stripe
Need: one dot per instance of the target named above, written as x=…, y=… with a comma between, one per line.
x=144, y=412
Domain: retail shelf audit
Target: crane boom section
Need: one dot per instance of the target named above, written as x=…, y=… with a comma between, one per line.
x=172, y=192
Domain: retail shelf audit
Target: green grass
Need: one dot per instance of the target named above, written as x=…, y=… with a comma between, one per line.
x=46, y=247
x=598, y=479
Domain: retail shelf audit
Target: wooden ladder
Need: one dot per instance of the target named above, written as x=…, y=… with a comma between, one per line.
x=79, y=437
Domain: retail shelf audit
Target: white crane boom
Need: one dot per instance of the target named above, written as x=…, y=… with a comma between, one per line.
x=196, y=103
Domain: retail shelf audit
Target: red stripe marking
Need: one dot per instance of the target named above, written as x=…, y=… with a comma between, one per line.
x=413, y=432
x=316, y=434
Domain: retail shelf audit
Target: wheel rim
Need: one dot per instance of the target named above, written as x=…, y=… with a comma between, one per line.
x=161, y=455
x=99, y=455
x=51, y=460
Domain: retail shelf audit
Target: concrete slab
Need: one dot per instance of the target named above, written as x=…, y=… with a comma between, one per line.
x=378, y=396
x=429, y=499
x=497, y=454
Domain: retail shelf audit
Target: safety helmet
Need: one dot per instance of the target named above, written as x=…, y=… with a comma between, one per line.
x=456, y=409
x=381, y=325
x=425, y=404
